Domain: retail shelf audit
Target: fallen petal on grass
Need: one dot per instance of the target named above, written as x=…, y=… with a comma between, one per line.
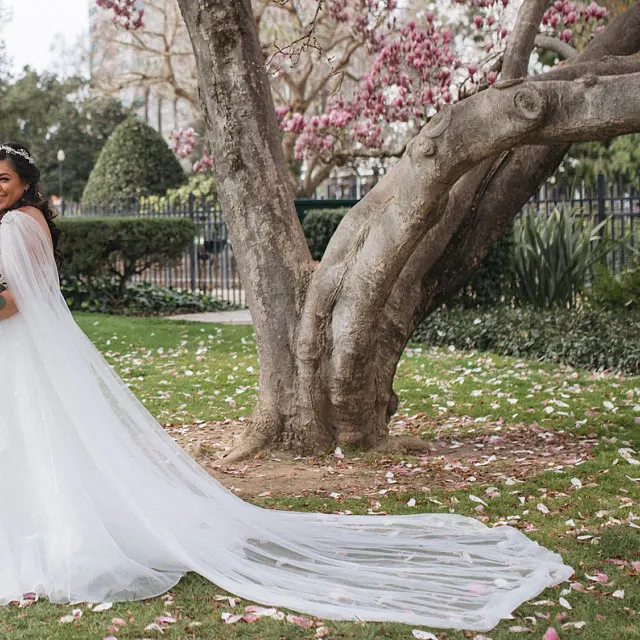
x=300, y=621
x=597, y=576
x=423, y=635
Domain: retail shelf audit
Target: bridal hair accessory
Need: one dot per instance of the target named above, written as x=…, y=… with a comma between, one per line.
x=19, y=152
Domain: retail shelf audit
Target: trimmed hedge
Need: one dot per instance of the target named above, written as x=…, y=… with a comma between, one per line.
x=318, y=226
x=613, y=292
x=96, y=250
x=139, y=299
x=587, y=338
x=492, y=282
x=135, y=161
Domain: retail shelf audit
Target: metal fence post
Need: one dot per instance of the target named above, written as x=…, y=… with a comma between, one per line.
x=196, y=242
x=602, y=213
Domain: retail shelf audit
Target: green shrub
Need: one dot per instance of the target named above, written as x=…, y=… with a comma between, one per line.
x=140, y=298
x=318, y=226
x=492, y=282
x=553, y=256
x=615, y=292
x=98, y=250
x=134, y=162
x=587, y=338
x=201, y=185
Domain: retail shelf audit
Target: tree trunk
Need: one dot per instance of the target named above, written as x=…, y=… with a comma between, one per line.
x=330, y=335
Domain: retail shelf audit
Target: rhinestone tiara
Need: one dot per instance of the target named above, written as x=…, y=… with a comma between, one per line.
x=17, y=152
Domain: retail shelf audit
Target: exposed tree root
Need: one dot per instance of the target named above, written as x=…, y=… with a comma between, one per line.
x=247, y=448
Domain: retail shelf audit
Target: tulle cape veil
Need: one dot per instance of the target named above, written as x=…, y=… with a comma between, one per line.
x=99, y=503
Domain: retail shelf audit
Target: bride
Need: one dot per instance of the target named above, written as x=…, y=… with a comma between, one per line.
x=98, y=503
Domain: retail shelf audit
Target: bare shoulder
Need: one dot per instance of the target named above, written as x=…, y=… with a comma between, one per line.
x=34, y=213
x=38, y=216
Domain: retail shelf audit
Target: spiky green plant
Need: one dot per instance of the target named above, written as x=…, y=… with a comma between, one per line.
x=554, y=254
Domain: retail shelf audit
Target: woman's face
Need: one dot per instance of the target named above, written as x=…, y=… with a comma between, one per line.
x=11, y=186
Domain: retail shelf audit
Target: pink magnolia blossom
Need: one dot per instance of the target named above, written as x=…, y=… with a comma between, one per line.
x=414, y=71
x=565, y=19
x=125, y=13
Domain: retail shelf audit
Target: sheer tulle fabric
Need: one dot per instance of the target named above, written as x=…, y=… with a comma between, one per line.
x=98, y=503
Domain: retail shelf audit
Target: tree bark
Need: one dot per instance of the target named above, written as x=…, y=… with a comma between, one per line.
x=330, y=335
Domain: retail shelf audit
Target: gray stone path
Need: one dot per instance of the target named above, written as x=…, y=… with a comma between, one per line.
x=237, y=316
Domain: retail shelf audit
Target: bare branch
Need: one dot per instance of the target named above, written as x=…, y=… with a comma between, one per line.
x=564, y=50
x=607, y=66
x=397, y=152
x=521, y=39
x=301, y=44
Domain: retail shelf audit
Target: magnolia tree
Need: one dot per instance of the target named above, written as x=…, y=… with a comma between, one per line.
x=355, y=79
x=330, y=333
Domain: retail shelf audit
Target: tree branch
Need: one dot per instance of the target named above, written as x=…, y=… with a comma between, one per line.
x=564, y=50
x=478, y=211
x=521, y=39
x=403, y=205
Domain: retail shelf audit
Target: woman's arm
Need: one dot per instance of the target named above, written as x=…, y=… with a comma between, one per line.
x=7, y=305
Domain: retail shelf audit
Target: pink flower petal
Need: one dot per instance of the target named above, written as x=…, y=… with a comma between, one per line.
x=305, y=623
x=250, y=617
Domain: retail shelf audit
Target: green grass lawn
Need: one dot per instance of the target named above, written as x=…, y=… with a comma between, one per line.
x=588, y=510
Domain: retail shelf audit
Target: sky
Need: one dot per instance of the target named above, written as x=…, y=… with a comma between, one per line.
x=36, y=25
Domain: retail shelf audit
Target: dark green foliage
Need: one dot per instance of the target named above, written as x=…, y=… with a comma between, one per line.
x=553, y=256
x=318, y=226
x=47, y=114
x=98, y=250
x=586, y=338
x=135, y=161
x=618, y=158
x=615, y=292
x=139, y=299
x=491, y=283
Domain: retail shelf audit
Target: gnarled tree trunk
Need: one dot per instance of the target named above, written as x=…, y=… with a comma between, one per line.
x=330, y=334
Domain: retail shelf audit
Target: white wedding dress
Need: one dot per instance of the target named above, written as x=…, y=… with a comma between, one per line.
x=98, y=503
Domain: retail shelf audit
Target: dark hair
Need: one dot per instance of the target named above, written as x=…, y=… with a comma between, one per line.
x=26, y=169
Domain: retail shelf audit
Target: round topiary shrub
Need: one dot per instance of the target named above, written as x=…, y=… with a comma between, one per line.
x=134, y=162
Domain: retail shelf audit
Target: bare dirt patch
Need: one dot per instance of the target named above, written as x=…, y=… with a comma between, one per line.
x=459, y=458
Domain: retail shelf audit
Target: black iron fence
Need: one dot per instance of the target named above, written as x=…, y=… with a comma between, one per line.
x=616, y=203
x=209, y=266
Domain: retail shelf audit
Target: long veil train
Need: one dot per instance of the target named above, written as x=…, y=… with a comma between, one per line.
x=99, y=503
